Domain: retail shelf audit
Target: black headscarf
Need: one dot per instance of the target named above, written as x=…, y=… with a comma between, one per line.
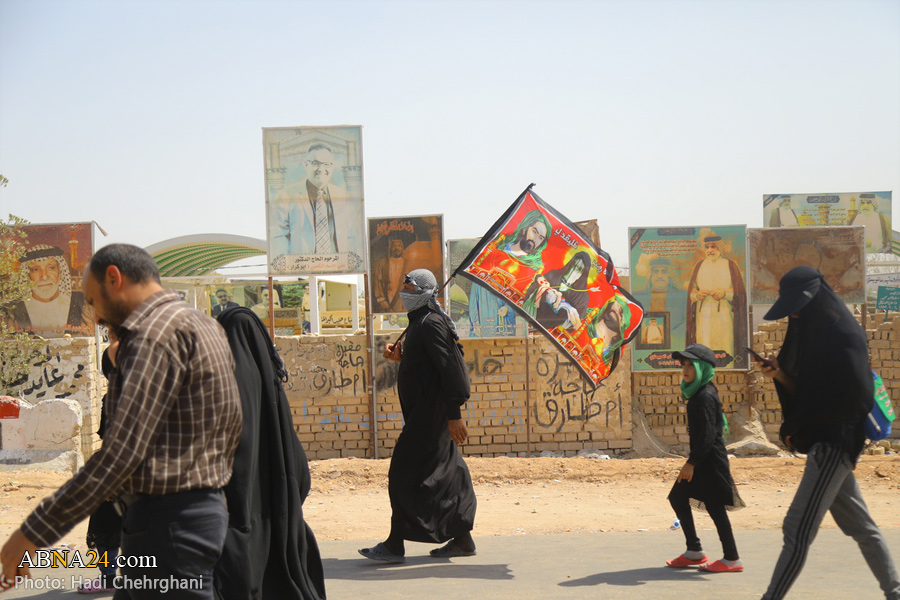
x=826, y=354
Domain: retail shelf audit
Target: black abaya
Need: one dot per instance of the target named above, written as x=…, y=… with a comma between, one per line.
x=270, y=552
x=430, y=488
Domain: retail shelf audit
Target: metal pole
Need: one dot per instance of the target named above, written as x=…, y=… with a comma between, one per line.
x=271, y=310
x=527, y=394
x=370, y=389
x=750, y=390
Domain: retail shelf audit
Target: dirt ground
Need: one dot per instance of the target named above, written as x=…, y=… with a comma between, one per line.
x=518, y=496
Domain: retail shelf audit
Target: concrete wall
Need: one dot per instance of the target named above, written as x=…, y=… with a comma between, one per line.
x=45, y=436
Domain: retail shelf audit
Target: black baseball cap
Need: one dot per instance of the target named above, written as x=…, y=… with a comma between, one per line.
x=696, y=352
x=795, y=289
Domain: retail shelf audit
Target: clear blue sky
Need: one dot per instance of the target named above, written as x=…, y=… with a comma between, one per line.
x=147, y=116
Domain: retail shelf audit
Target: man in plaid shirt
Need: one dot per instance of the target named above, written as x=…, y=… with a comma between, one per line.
x=175, y=419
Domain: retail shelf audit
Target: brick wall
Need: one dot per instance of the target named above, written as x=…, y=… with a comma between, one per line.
x=556, y=411
x=517, y=405
x=658, y=397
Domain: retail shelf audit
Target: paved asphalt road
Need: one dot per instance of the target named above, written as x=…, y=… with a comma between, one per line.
x=603, y=566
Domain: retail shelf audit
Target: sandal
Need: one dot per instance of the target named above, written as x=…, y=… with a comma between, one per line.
x=720, y=567
x=380, y=553
x=681, y=561
x=450, y=550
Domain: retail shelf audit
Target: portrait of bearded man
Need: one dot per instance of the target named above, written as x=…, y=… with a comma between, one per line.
x=52, y=309
x=717, y=306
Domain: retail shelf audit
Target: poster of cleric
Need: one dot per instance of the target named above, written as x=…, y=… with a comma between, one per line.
x=559, y=281
x=52, y=266
x=871, y=210
x=691, y=282
x=315, y=220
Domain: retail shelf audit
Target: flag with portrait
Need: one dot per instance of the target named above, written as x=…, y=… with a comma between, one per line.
x=559, y=280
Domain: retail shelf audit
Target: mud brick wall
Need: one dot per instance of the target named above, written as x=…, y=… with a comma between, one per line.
x=540, y=403
x=884, y=352
x=658, y=397
x=68, y=368
x=525, y=396
x=327, y=393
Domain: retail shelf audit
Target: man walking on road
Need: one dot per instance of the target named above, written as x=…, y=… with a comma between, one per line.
x=174, y=423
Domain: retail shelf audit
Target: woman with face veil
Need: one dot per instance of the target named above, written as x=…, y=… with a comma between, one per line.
x=824, y=383
x=270, y=552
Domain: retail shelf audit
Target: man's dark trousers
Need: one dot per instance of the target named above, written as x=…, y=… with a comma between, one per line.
x=184, y=533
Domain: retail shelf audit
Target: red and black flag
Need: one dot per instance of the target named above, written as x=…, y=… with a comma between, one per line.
x=559, y=280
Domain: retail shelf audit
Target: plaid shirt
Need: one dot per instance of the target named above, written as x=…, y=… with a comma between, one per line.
x=174, y=412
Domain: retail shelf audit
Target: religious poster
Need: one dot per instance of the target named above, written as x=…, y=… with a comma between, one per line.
x=872, y=210
x=398, y=245
x=558, y=280
x=53, y=264
x=691, y=282
x=315, y=219
x=478, y=311
x=837, y=252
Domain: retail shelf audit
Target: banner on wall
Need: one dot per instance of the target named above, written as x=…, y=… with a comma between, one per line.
x=398, y=245
x=691, y=283
x=871, y=210
x=837, y=252
x=478, y=311
x=556, y=278
x=53, y=265
x=315, y=219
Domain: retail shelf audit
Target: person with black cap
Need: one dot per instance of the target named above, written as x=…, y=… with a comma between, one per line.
x=824, y=383
x=705, y=479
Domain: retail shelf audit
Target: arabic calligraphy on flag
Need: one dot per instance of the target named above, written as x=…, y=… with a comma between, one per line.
x=562, y=283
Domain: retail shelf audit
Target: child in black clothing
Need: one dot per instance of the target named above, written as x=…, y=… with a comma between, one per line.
x=705, y=479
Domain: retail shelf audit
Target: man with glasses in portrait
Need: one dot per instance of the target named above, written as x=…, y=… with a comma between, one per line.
x=316, y=216
x=224, y=303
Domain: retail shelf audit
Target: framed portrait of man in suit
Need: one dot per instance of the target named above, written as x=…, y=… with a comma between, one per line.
x=315, y=219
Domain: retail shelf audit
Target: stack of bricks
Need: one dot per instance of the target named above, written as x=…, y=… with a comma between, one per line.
x=884, y=354
x=767, y=341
